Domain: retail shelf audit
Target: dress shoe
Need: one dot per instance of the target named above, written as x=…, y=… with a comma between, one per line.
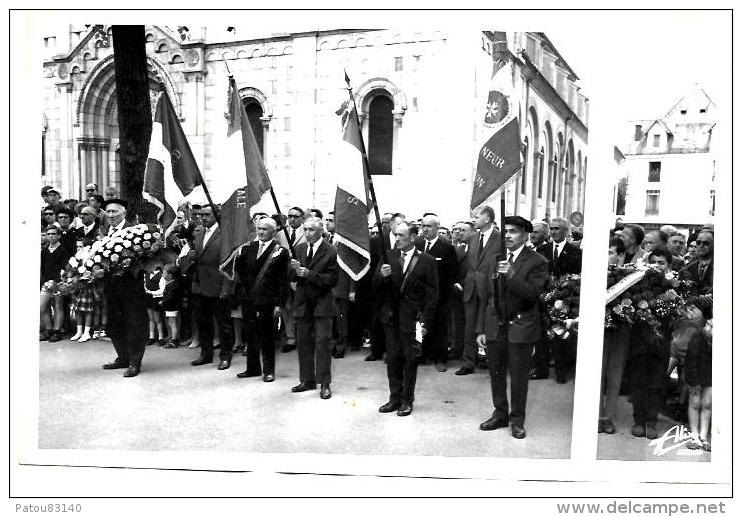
x=115, y=365
x=561, y=379
x=44, y=335
x=706, y=445
x=303, y=386
x=601, y=425
x=324, y=392
x=224, y=364
x=537, y=376
x=651, y=432
x=638, y=430
x=55, y=336
x=441, y=367
x=202, y=360
x=131, y=371
x=518, y=431
x=287, y=348
x=268, y=377
x=338, y=354
x=371, y=357
x=404, y=410
x=608, y=427
x=464, y=370
x=494, y=423
x=246, y=374
x=389, y=407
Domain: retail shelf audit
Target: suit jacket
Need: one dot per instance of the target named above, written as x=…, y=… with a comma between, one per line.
x=374, y=247
x=447, y=265
x=481, y=267
x=315, y=289
x=529, y=279
x=207, y=279
x=569, y=260
x=702, y=284
x=273, y=287
x=299, y=237
x=404, y=296
x=91, y=237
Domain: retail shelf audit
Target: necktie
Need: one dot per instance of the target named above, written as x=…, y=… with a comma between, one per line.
x=427, y=246
x=556, y=252
x=510, y=258
x=293, y=235
x=310, y=255
x=402, y=260
x=481, y=242
x=260, y=249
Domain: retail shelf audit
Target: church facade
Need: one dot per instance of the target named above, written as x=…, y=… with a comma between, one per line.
x=421, y=99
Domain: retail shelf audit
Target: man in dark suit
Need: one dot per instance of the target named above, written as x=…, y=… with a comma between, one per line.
x=525, y=275
x=315, y=272
x=212, y=291
x=435, y=342
x=263, y=270
x=701, y=270
x=484, y=248
x=295, y=230
x=387, y=242
x=564, y=258
x=408, y=288
x=127, y=305
x=89, y=232
x=463, y=232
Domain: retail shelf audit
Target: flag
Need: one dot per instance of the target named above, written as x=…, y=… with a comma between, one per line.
x=351, y=199
x=499, y=158
x=171, y=172
x=241, y=184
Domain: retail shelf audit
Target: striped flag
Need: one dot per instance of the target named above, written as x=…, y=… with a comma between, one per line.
x=499, y=157
x=171, y=172
x=351, y=199
x=241, y=183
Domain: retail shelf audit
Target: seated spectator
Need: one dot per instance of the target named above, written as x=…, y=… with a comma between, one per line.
x=53, y=260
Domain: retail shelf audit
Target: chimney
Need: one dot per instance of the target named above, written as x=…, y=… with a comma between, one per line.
x=638, y=132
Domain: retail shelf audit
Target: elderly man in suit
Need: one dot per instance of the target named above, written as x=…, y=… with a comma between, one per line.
x=484, y=248
x=315, y=271
x=89, y=231
x=524, y=276
x=295, y=220
x=435, y=342
x=463, y=232
x=212, y=291
x=701, y=270
x=263, y=270
x=564, y=257
x=408, y=287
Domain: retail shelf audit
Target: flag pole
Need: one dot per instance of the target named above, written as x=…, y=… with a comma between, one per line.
x=502, y=285
x=273, y=194
x=369, y=180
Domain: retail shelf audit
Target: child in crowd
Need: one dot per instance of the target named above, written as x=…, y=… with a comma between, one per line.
x=172, y=301
x=698, y=377
x=154, y=286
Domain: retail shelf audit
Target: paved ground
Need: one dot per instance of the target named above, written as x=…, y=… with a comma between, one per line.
x=624, y=446
x=172, y=406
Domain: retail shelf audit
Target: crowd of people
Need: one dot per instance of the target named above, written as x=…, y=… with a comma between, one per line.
x=431, y=295
x=667, y=368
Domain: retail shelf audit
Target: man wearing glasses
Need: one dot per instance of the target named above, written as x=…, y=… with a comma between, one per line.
x=701, y=270
x=91, y=189
x=295, y=220
x=89, y=231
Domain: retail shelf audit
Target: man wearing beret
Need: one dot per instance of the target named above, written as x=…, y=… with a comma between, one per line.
x=524, y=276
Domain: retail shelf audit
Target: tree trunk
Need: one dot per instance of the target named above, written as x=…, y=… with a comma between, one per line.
x=134, y=115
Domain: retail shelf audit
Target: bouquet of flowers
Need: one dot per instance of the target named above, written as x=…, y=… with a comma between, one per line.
x=560, y=303
x=113, y=254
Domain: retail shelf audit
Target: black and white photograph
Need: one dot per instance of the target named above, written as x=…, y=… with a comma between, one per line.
x=356, y=244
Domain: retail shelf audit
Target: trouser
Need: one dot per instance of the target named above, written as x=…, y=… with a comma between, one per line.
x=289, y=322
x=315, y=353
x=378, y=334
x=212, y=309
x=435, y=342
x=260, y=339
x=471, y=311
x=127, y=323
x=516, y=357
x=340, y=325
x=615, y=349
x=457, y=326
x=401, y=367
x=647, y=375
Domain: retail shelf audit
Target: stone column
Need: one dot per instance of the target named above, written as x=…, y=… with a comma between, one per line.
x=82, y=154
x=66, y=144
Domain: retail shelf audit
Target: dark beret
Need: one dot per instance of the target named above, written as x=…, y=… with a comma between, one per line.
x=520, y=222
x=66, y=211
x=117, y=201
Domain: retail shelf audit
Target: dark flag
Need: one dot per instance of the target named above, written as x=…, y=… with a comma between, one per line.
x=241, y=185
x=499, y=158
x=351, y=199
x=171, y=172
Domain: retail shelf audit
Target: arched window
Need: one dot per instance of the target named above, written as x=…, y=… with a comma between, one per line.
x=254, y=113
x=380, y=134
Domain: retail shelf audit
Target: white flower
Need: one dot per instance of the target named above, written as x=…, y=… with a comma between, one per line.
x=137, y=240
x=117, y=248
x=97, y=258
x=127, y=244
x=106, y=253
x=73, y=262
x=97, y=246
x=147, y=236
x=110, y=244
x=89, y=263
x=81, y=269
